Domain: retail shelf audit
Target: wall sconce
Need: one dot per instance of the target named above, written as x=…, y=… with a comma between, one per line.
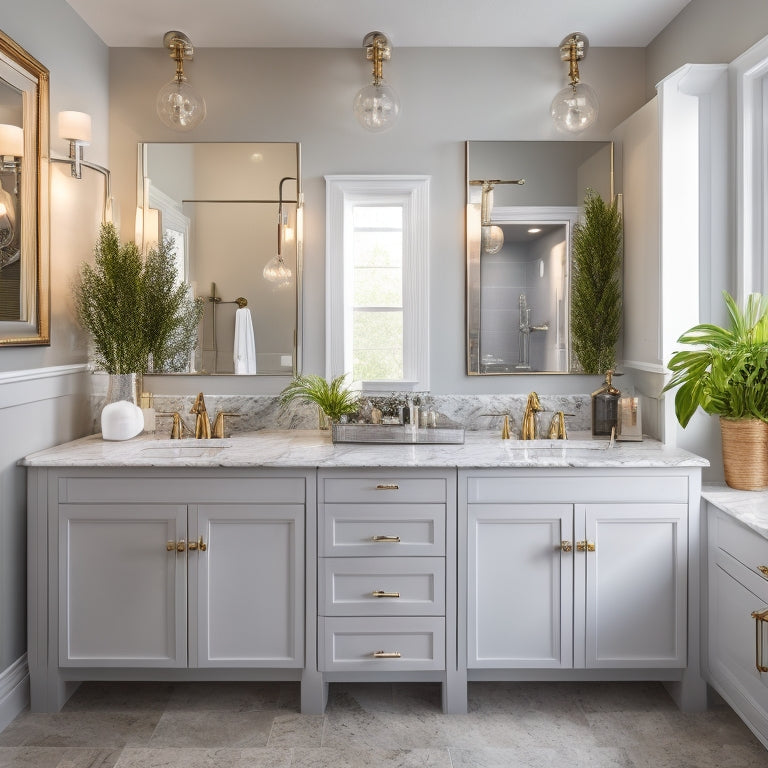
x=178, y=104
x=491, y=236
x=276, y=270
x=575, y=107
x=377, y=106
x=75, y=127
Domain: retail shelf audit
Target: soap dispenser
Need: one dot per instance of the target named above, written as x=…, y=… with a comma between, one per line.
x=605, y=407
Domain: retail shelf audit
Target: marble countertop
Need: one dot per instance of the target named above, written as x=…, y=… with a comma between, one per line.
x=749, y=507
x=313, y=448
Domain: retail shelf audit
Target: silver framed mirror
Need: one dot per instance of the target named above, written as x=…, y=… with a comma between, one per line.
x=24, y=213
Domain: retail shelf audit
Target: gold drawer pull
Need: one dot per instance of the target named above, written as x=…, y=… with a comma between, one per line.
x=566, y=546
x=759, y=617
x=763, y=569
x=170, y=546
x=181, y=546
x=386, y=655
x=382, y=593
x=199, y=544
x=385, y=539
x=387, y=487
x=585, y=546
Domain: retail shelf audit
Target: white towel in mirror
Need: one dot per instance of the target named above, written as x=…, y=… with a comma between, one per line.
x=245, y=347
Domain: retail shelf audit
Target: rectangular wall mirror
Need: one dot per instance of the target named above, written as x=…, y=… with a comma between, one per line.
x=24, y=221
x=234, y=214
x=519, y=246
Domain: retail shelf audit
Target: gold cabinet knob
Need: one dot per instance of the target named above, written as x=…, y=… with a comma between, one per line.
x=197, y=545
x=566, y=546
x=385, y=539
x=386, y=655
x=192, y=546
x=585, y=546
x=763, y=569
x=383, y=593
x=170, y=546
x=181, y=546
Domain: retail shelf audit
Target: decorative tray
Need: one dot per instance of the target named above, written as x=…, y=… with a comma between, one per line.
x=397, y=433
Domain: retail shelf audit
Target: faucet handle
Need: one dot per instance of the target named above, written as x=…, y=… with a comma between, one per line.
x=557, y=429
x=178, y=428
x=199, y=406
x=219, y=425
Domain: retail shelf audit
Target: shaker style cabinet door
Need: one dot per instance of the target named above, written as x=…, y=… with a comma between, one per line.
x=122, y=585
x=520, y=585
x=246, y=580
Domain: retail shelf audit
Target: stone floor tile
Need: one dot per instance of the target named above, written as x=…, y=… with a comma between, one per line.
x=540, y=757
x=204, y=758
x=295, y=730
x=705, y=754
x=383, y=730
x=211, y=729
x=31, y=757
x=370, y=758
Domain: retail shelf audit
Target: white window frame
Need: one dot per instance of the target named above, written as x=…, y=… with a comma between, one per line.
x=342, y=194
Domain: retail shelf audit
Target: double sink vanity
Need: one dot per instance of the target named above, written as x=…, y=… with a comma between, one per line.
x=281, y=555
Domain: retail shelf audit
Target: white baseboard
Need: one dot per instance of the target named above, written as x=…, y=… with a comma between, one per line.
x=14, y=690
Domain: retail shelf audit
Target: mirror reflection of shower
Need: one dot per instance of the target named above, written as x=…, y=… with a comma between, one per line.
x=526, y=329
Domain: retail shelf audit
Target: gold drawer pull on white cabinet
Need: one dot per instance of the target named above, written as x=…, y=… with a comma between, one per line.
x=382, y=593
x=585, y=546
x=760, y=618
x=566, y=546
x=387, y=487
x=763, y=569
x=385, y=539
x=386, y=654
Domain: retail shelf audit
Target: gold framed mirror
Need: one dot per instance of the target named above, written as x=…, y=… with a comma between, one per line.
x=24, y=221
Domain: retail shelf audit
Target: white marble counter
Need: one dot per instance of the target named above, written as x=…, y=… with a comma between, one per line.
x=749, y=507
x=313, y=448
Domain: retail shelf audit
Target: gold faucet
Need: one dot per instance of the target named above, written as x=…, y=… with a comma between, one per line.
x=557, y=427
x=528, y=427
x=202, y=422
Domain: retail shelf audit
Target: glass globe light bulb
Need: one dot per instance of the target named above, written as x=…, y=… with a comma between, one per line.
x=276, y=271
x=491, y=238
x=376, y=107
x=574, y=108
x=180, y=106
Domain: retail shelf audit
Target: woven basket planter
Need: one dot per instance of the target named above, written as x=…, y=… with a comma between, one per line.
x=745, y=453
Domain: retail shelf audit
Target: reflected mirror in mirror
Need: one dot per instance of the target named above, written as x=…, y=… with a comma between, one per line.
x=233, y=212
x=518, y=249
x=24, y=292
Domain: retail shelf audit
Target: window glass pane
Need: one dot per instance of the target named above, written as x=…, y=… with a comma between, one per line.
x=378, y=249
x=376, y=287
x=377, y=217
x=377, y=342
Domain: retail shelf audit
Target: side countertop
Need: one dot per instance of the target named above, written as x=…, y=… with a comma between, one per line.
x=314, y=449
x=749, y=507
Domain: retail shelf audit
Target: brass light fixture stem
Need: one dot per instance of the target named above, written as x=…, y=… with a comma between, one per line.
x=181, y=48
x=377, y=49
x=573, y=49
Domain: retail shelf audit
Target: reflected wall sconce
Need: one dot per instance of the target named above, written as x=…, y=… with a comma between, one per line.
x=179, y=105
x=11, y=145
x=575, y=107
x=276, y=270
x=491, y=235
x=11, y=153
x=377, y=106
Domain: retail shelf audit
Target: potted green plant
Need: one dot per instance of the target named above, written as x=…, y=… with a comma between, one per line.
x=333, y=398
x=135, y=310
x=726, y=374
x=596, y=285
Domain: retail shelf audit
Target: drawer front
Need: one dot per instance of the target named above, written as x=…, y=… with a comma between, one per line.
x=382, y=489
x=382, y=530
x=378, y=644
x=742, y=543
x=382, y=586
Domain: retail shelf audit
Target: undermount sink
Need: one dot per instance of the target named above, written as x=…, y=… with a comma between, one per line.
x=188, y=449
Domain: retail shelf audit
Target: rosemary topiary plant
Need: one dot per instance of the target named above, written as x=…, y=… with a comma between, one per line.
x=136, y=310
x=596, y=285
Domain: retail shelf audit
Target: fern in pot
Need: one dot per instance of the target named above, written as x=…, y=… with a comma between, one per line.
x=333, y=399
x=726, y=374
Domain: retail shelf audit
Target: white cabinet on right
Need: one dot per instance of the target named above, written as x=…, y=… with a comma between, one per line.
x=577, y=575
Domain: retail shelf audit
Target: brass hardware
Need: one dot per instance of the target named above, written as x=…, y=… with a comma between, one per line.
x=505, y=427
x=566, y=546
x=192, y=546
x=202, y=422
x=382, y=593
x=385, y=539
x=386, y=655
x=532, y=407
x=760, y=617
x=181, y=546
x=178, y=428
x=387, y=487
x=170, y=546
x=763, y=569
x=557, y=427
x=199, y=544
x=585, y=546
x=219, y=425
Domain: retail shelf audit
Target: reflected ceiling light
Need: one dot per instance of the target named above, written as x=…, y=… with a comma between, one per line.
x=575, y=107
x=491, y=235
x=276, y=270
x=179, y=105
x=534, y=230
x=377, y=106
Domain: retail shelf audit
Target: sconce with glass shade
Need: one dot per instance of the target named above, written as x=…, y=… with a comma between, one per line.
x=491, y=236
x=178, y=104
x=377, y=105
x=276, y=270
x=575, y=107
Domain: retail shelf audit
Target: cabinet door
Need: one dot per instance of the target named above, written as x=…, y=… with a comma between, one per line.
x=636, y=584
x=247, y=585
x=122, y=591
x=520, y=584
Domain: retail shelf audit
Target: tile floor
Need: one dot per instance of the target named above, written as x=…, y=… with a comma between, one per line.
x=256, y=725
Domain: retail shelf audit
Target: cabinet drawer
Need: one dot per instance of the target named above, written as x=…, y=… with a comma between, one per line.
x=411, y=643
x=382, y=530
x=382, y=488
x=411, y=586
x=742, y=543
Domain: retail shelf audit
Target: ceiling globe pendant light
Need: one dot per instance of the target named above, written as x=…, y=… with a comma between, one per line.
x=179, y=105
x=377, y=106
x=576, y=106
